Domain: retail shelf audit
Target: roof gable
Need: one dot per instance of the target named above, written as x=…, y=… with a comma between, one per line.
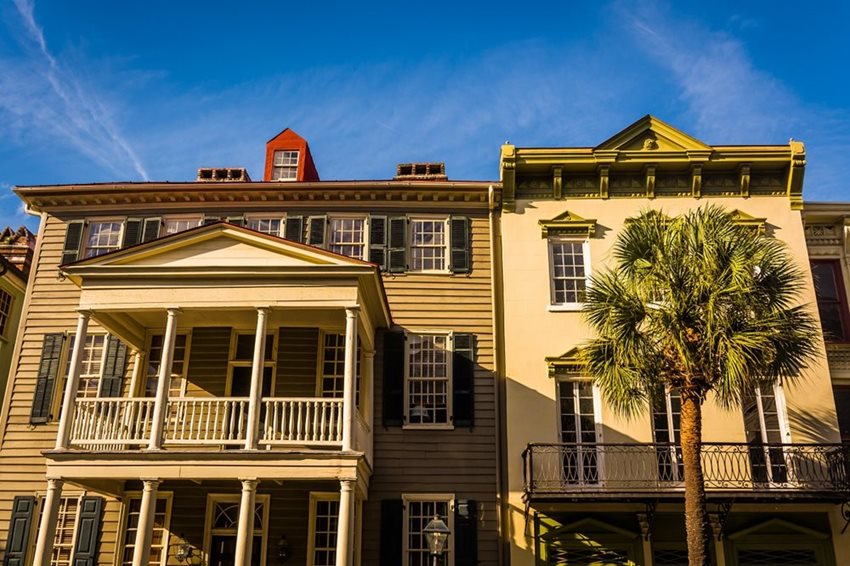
x=220, y=245
x=651, y=134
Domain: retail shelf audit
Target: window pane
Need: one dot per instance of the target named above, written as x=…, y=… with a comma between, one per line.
x=5, y=309
x=90, y=366
x=419, y=514
x=269, y=225
x=428, y=245
x=831, y=306
x=325, y=528
x=568, y=272
x=428, y=379
x=102, y=237
x=285, y=166
x=174, y=225
x=348, y=236
x=159, y=540
x=177, y=366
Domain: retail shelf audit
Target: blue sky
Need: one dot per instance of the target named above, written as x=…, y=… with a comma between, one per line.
x=106, y=91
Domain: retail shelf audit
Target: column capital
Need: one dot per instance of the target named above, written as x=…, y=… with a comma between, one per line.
x=173, y=311
x=151, y=483
x=264, y=309
x=55, y=483
x=249, y=483
x=352, y=311
x=368, y=353
x=346, y=485
x=85, y=312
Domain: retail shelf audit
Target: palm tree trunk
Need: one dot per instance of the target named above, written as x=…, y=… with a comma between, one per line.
x=696, y=516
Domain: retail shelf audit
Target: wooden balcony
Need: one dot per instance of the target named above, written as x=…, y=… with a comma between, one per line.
x=654, y=471
x=194, y=422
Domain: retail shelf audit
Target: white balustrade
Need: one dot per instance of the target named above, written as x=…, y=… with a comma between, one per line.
x=206, y=420
x=111, y=421
x=301, y=420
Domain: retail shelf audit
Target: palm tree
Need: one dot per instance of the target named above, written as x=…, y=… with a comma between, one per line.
x=697, y=304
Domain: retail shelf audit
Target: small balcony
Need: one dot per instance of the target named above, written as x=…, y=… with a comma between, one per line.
x=655, y=471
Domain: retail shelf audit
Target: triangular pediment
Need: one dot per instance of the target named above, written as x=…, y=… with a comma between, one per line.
x=778, y=528
x=650, y=134
x=569, y=362
x=568, y=224
x=222, y=246
x=587, y=527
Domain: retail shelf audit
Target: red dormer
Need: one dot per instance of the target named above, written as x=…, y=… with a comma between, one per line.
x=288, y=159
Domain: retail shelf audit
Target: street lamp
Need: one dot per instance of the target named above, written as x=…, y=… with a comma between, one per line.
x=436, y=532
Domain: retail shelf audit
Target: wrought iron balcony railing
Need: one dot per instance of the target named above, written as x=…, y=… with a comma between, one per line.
x=591, y=470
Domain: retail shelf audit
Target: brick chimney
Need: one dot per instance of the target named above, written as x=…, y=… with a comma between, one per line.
x=17, y=246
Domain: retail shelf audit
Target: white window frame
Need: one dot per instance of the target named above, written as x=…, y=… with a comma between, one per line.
x=597, y=417
x=447, y=243
x=232, y=362
x=781, y=411
x=87, y=232
x=449, y=335
x=145, y=361
x=449, y=498
x=279, y=216
x=315, y=497
x=7, y=301
x=288, y=166
x=179, y=218
x=125, y=515
x=320, y=367
x=212, y=499
x=37, y=520
x=62, y=378
x=550, y=243
x=366, y=230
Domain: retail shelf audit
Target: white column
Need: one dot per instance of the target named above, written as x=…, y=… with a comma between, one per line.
x=163, y=380
x=252, y=437
x=245, y=530
x=144, y=530
x=351, y=316
x=72, y=384
x=47, y=526
x=345, y=525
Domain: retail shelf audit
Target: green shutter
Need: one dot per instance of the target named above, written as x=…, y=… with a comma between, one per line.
x=294, y=229
x=317, y=231
x=211, y=219
x=397, y=252
x=88, y=532
x=48, y=369
x=460, y=250
x=378, y=241
x=20, y=526
x=73, y=241
x=463, y=380
x=392, y=535
x=151, y=228
x=114, y=367
x=393, y=379
x=466, y=532
x=132, y=232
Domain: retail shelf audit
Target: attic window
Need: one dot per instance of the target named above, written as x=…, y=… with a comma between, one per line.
x=285, y=167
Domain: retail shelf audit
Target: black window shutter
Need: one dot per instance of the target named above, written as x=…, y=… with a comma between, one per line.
x=378, y=241
x=151, y=228
x=88, y=531
x=466, y=532
x=48, y=368
x=294, y=229
x=132, y=232
x=236, y=220
x=463, y=380
x=114, y=367
x=397, y=252
x=20, y=525
x=392, y=523
x=73, y=241
x=461, y=256
x=211, y=220
x=317, y=227
x=393, y=375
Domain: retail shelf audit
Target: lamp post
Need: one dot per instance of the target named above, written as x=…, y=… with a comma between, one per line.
x=436, y=532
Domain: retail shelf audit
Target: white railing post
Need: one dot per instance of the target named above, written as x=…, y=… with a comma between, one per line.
x=257, y=367
x=72, y=384
x=245, y=529
x=348, y=395
x=47, y=525
x=144, y=528
x=164, y=380
x=345, y=524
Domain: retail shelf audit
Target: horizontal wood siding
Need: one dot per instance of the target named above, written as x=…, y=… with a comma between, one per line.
x=461, y=461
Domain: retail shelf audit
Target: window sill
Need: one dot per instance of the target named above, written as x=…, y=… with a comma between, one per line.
x=428, y=427
x=569, y=307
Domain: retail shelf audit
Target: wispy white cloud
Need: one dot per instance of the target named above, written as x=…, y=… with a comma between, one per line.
x=729, y=99
x=41, y=97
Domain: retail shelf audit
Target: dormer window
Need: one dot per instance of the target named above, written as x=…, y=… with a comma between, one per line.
x=285, y=166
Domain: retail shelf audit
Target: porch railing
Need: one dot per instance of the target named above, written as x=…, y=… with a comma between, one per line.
x=575, y=469
x=125, y=423
x=108, y=421
x=301, y=420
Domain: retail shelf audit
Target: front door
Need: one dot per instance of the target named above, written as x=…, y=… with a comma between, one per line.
x=578, y=432
x=763, y=424
x=223, y=551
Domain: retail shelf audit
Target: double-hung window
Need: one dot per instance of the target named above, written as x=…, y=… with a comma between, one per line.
x=429, y=244
x=285, y=167
x=569, y=263
x=832, y=302
x=419, y=510
x=267, y=224
x=577, y=403
x=324, y=519
x=5, y=310
x=175, y=224
x=428, y=385
x=91, y=364
x=177, y=386
x=102, y=236
x=332, y=378
x=66, y=530
x=159, y=539
x=347, y=236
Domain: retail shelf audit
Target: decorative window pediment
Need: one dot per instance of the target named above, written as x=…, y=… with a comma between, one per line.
x=568, y=224
x=744, y=219
x=568, y=362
